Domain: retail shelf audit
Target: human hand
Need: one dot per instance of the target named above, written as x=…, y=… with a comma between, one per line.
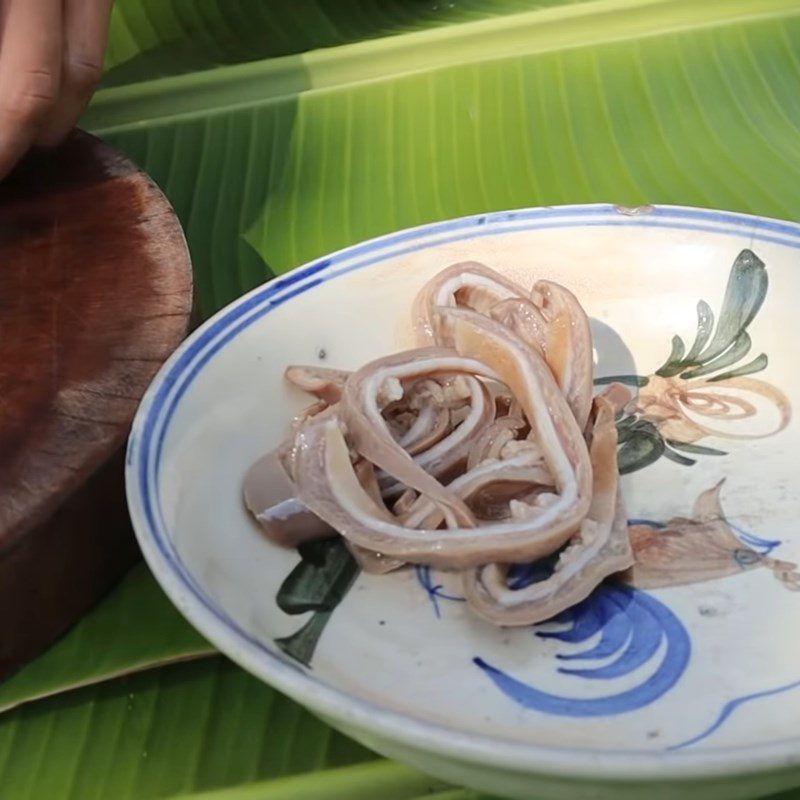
x=51, y=58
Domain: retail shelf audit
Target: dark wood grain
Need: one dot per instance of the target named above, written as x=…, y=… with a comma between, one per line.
x=95, y=293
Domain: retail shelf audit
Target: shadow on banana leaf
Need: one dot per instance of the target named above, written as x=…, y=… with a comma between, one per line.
x=174, y=37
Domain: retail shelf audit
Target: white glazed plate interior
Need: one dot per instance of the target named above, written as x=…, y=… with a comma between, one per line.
x=686, y=679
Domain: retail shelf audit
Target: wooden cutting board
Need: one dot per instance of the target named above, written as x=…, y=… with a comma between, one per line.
x=95, y=293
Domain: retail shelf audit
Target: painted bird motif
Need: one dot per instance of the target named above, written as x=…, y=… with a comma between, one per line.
x=700, y=548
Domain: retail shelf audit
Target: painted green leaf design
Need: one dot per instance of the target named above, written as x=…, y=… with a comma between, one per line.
x=684, y=461
x=318, y=583
x=738, y=349
x=675, y=357
x=640, y=444
x=302, y=643
x=625, y=423
x=705, y=326
x=744, y=295
x=627, y=380
x=696, y=449
x=756, y=365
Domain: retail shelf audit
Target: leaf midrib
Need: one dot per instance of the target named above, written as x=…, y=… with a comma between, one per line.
x=547, y=30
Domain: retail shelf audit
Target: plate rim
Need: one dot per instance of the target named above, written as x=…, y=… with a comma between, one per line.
x=336, y=704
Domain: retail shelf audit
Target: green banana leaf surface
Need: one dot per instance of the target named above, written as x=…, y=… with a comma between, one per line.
x=135, y=628
x=282, y=131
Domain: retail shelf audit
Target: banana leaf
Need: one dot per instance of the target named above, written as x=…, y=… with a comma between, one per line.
x=283, y=131
x=273, y=162
x=182, y=730
x=135, y=628
x=153, y=38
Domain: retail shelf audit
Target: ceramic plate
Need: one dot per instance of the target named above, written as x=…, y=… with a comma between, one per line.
x=689, y=670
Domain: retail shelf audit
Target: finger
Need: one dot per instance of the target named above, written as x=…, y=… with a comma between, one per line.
x=30, y=72
x=85, y=37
